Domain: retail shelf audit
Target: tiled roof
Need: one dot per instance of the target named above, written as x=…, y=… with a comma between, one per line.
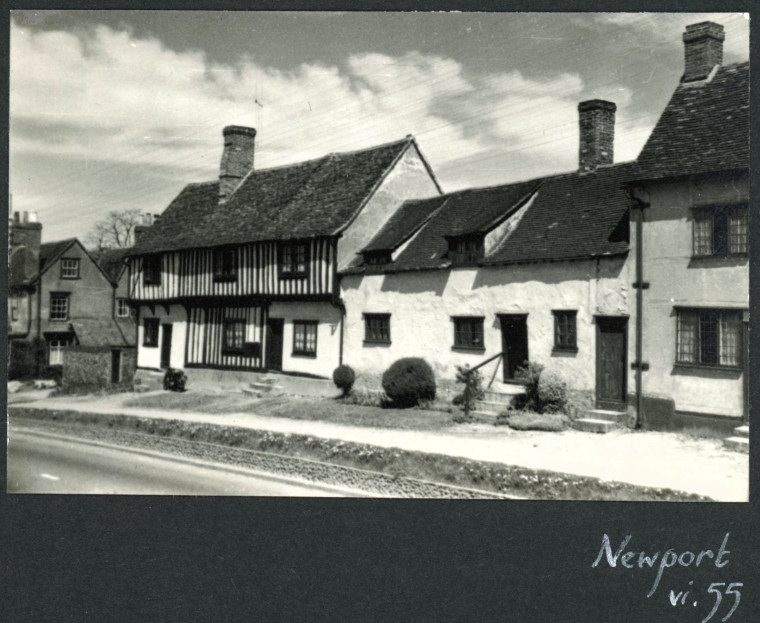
x=314, y=198
x=100, y=332
x=111, y=262
x=404, y=222
x=570, y=216
x=50, y=251
x=704, y=128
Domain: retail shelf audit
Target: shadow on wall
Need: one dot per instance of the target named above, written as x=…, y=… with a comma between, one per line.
x=414, y=282
x=549, y=273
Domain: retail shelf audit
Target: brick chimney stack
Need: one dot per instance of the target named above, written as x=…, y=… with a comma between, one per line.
x=237, y=158
x=597, y=133
x=703, y=50
x=26, y=233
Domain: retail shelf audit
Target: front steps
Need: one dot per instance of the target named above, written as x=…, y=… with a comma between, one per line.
x=262, y=386
x=739, y=441
x=600, y=421
x=496, y=400
x=148, y=380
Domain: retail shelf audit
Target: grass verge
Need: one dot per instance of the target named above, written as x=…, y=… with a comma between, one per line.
x=506, y=479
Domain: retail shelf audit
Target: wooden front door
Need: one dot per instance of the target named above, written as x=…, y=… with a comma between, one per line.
x=115, y=366
x=514, y=343
x=166, y=346
x=275, y=327
x=611, y=358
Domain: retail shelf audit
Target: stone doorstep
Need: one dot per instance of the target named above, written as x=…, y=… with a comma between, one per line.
x=617, y=417
x=742, y=431
x=738, y=444
x=593, y=425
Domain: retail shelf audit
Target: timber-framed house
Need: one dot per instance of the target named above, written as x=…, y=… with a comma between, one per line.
x=241, y=273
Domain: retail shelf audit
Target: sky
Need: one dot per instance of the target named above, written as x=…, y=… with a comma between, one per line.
x=111, y=110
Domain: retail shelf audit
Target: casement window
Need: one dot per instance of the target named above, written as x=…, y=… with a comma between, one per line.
x=305, y=337
x=225, y=264
x=233, y=337
x=70, y=268
x=152, y=270
x=709, y=337
x=122, y=309
x=59, y=306
x=150, y=332
x=377, y=328
x=565, y=330
x=293, y=259
x=465, y=250
x=55, y=351
x=377, y=258
x=468, y=332
x=720, y=231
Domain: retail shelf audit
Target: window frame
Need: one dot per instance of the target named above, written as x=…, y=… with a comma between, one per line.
x=291, y=269
x=369, y=318
x=565, y=345
x=306, y=325
x=59, y=296
x=719, y=228
x=59, y=343
x=225, y=261
x=232, y=349
x=474, y=321
x=122, y=301
x=155, y=328
x=692, y=351
x=151, y=270
x=468, y=256
x=77, y=267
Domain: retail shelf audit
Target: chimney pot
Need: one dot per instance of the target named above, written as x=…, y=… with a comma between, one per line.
x=703, y=50
x=597, y=134
x=237, y=158
x=17, y=217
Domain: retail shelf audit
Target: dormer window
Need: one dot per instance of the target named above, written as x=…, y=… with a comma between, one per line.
x=377, y=258
x=466, y=250
x=152, y=270
x=293, y=259
x=225, y=264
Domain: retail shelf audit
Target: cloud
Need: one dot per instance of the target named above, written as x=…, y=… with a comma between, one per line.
x=118, y=103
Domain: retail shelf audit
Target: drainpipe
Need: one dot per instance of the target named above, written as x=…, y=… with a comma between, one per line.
x=640, y=285
x=336, y=302
x=39, y=325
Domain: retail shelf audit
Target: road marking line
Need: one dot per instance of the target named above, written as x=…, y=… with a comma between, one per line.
x=49, y=476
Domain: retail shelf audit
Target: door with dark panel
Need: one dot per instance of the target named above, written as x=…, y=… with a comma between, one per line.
x=275, y=342
x=611, y=357
x=166, y=346
x=514, y=343
x=115, y=366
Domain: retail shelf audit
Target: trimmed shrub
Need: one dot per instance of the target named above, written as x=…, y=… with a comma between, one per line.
x=344, y=377
x=475, y=382
x=552, y=394
x=174, y=380
x=409, y=381
x=529, y=377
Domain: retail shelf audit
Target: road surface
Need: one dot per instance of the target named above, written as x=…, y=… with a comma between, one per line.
x=45, y=463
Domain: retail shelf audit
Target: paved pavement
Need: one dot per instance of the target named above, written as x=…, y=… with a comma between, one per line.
x=651, y=459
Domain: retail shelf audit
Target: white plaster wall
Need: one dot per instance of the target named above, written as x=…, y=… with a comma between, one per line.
x=422, y=305
x=677, y=280
x=409, y=179
x=328, y=337
x=150, y=357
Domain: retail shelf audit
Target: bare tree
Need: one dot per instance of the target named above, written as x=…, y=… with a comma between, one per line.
x=115, y=231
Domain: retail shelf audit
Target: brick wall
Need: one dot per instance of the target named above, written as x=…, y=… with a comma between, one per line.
x=91, y=368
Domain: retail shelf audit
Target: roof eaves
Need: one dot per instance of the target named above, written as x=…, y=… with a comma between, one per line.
x=574, y=258
x=681, y=177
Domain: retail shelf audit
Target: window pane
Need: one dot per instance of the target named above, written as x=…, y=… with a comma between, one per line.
x=703, y=234
x=708, y=337
x=730, y=336
x=688, y=332
x=720, y=232
x=738, y=230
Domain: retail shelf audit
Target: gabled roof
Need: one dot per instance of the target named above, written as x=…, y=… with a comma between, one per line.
x=404, y=223
x=309, y=199
x=704, y=128
x=111, y=261
x=91, y=332
x=568, y=216
x=51, y=251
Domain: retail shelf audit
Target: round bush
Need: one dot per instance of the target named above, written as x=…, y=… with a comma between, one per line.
x=409, y=381
x=552, y=393
x=344, y=377
x=175, y=380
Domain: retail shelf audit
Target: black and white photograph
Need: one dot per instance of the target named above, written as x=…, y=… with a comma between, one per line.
x=450, y=255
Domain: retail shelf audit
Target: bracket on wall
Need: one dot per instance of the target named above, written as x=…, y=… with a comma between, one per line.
x=166, y=307
x=640, y=365
x=152, y=309
x=644, y=285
